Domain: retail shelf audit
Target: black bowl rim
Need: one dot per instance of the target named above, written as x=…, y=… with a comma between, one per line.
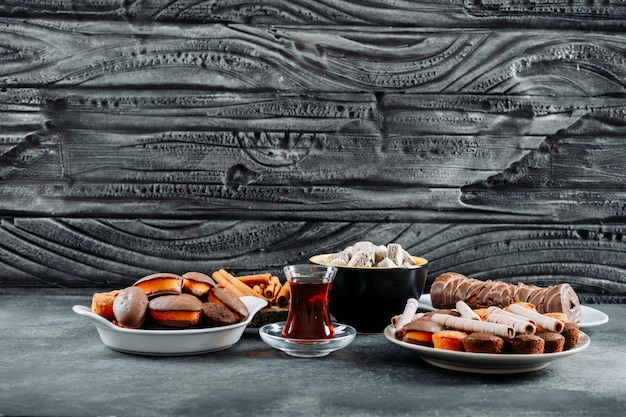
x=319, y=260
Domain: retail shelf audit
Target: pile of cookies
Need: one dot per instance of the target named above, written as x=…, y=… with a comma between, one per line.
x=367, y=254
x=516, y=328
x=193, y=299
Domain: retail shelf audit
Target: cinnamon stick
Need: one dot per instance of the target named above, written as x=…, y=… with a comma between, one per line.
x=284, y=295
x=255, y=279
x=223, y=283
x=273, y=287
x=222, y=277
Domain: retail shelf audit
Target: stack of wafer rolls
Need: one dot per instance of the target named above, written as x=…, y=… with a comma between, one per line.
x=450, y=287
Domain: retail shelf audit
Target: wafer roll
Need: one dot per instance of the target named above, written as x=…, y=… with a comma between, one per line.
x=519, y=323
x=465, y=311
x=468, y=325
x=540, y=320
x=409, y=311
x=395, y=319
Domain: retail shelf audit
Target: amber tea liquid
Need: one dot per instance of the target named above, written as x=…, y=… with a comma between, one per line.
x=309, y=314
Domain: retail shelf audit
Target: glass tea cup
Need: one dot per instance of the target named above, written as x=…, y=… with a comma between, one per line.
x=309, y=313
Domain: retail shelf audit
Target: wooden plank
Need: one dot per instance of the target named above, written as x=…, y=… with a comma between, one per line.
x=313, y=156
x=442, y=13
x=312, y=58
x=111, y=253
x=170, y=136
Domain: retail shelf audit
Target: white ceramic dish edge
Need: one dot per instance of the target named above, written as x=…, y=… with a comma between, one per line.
x=485, y=363
x=590, y=316
x=171, y=342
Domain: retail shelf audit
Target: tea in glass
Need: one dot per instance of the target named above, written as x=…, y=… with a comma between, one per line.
x=309, y=313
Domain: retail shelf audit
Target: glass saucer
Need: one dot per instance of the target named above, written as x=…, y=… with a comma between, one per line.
x=272, y=334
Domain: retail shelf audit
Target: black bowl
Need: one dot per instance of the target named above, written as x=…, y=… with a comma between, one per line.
x=367, y=298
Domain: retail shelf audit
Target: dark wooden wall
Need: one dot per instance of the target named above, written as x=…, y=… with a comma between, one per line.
x=488, y=136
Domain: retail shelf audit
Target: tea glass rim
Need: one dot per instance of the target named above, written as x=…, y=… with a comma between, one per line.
x=310, y=272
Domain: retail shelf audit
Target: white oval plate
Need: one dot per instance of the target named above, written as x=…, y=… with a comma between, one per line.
x=487, y=363
x=590, y=317
x=171, y=342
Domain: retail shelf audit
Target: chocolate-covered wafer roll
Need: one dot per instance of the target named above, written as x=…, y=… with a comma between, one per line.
x=559, y=298
x=450, y=287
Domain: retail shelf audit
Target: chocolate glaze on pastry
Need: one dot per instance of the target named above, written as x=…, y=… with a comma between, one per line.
x=524, y=343
x=197, y=283
x=218, y=314
x=419, y=331
x=160, y=284
x=130, y=307
x=450, y=287
x=183, y=310
x=570, y=333
x=483, y=342
x=418, y=338
x=423, y=324
x=232, y=302
x=554, y=342
x=448, y=311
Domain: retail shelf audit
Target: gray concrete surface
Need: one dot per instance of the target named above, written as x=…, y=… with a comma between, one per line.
x=52, y=363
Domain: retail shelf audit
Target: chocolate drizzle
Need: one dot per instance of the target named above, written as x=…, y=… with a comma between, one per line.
x=450, y=287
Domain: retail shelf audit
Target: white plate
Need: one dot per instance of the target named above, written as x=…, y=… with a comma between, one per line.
x=487, y=363
x=272, y=334
x=590, y=317
x=171, y=342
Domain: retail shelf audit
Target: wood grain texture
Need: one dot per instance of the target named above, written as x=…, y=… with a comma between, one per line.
x=338, y=157
x=114, y=253
x=171, y=136
x=577, y=14
x=312, y=59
